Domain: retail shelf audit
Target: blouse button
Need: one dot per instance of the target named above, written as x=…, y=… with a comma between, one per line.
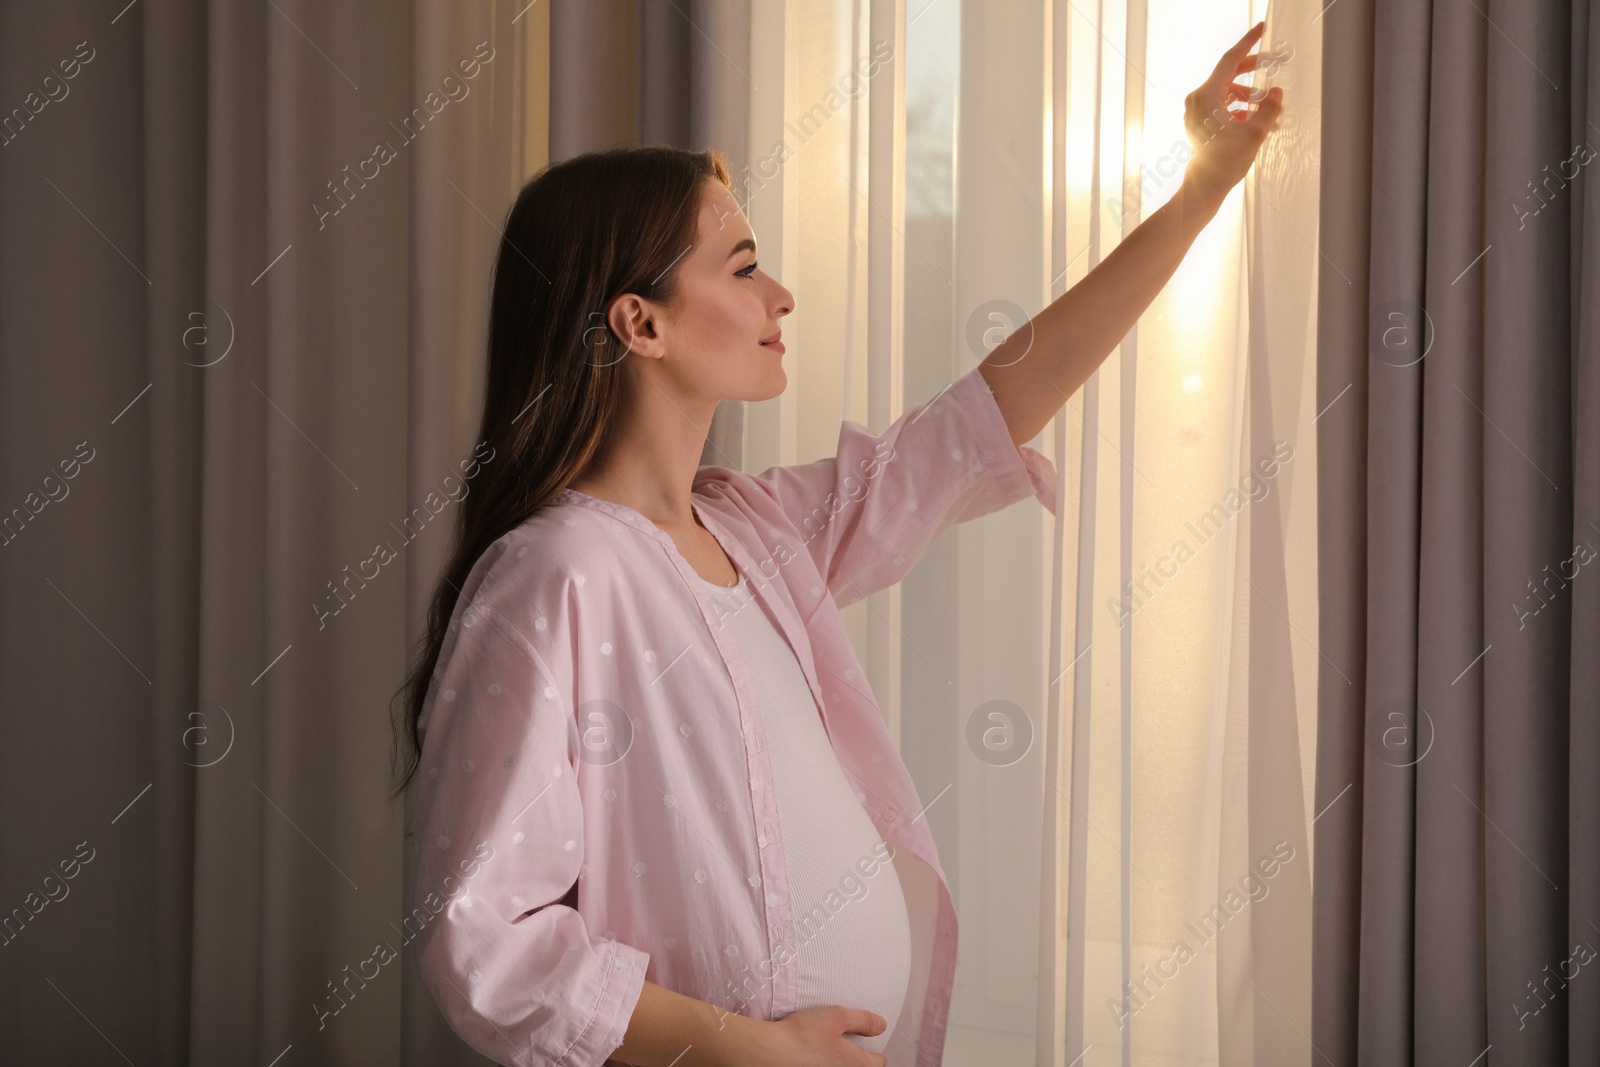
x=888, y=816
x=761, y=839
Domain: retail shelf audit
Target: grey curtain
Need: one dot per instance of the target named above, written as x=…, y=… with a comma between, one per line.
x=1457, y=882
x=241, y=347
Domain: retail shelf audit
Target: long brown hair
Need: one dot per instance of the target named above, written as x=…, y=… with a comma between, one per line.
x=580, y=233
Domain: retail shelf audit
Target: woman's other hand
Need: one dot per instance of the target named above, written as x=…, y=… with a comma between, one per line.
x=814, y=1037
x=1226, y=141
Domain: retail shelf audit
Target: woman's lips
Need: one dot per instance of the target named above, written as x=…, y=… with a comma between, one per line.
x=776, y=346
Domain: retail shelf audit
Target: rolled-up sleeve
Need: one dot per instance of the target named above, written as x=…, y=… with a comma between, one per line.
x=499, y=843
x=867, y=513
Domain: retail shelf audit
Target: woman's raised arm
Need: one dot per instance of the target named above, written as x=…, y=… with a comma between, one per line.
x=1042, y=363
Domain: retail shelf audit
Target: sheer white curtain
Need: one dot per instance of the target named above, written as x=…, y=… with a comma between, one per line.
x=1109, y=711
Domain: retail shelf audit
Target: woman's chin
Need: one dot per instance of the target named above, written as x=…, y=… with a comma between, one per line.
x=769, y=384
x=757, y=383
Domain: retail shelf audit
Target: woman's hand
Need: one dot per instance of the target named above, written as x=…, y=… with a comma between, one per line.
x=814, y=1037
x=1225, y=141
x=669, y=1029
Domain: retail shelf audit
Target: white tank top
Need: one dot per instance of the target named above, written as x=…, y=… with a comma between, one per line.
x=853, y=932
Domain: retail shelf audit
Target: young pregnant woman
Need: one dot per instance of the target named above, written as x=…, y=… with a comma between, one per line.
x=658, y=819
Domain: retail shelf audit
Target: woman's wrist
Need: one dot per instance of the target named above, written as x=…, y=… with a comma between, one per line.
x=740, y=1041
x=1198, y=200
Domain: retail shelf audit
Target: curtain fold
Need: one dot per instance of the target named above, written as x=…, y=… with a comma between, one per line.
x=1278, y=595
x=1458, y=884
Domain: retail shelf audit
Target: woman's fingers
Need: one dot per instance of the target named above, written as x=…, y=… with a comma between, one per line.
x=1267, y=108
x=1230, y=58
x=1249, y=38
x=1249, y=63
x=1267, y=112
x=864, y=1022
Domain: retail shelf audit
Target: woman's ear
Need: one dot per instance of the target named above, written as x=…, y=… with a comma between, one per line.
x=636, y=323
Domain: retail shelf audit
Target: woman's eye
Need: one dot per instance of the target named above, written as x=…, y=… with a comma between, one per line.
x=745, y=272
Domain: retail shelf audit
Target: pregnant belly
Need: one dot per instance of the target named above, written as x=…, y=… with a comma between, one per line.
x=853, y=932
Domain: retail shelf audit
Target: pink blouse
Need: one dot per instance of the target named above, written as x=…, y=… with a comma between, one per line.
x=595, y=805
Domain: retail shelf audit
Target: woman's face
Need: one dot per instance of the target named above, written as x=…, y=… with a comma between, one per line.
x=711, y=340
